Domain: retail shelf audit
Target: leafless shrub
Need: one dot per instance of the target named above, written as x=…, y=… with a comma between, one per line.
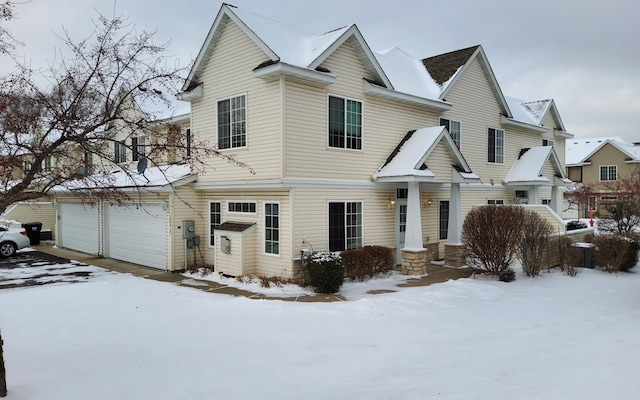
x=615, y=253
x=568, y=256
x=491, y=235
x=534, y=243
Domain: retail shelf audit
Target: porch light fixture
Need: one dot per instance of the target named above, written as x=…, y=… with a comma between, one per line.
x=427, y=202
x=391, y=203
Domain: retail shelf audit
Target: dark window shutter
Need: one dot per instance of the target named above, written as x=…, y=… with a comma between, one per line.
x=134, y=148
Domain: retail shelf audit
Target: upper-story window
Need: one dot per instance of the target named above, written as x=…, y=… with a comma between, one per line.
x=547, y=142
x=608, y=172
x=242, y=207
x=138, y=147
x=345, y=123
x=119, y=152
x=232, y=122
x=454, y=129
x=495, y=146
x=46, y=164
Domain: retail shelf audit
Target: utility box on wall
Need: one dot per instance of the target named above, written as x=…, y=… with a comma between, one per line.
x=188, y=229
x=236, y=248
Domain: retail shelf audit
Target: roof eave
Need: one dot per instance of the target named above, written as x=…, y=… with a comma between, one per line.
x=295, y=72
x=562, y=134
x=379, y=91
x=511, y=122
x=192, y=94
x=404, y=178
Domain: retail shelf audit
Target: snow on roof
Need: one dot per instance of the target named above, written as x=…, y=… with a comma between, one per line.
x=291, y=44
x=528, y=167
x=408, y=74
x=405, y=162
x=522, y=113
x=578, y=150
x=153, y=177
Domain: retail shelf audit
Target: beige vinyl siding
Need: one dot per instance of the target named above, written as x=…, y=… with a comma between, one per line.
x=265, y=264
x=440, y=163
x=311, y=216
x=41, y=211
x=384, y=125
x=229, y=73
x=185, y=204
x=477, y=108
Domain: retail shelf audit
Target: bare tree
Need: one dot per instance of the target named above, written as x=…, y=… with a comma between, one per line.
x=622, y=209
x=578, y=195
x=87, y=100
x=7, y=42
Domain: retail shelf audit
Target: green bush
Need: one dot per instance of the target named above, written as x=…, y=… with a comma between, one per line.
x=326, y=272
x=576, y=224
x=507, y=275
x=384, y=258
x=615, y=253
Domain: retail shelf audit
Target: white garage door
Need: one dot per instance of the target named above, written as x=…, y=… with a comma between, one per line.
x=138, y=234
x=79, y=227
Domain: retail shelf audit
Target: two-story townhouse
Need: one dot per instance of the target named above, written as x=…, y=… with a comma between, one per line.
x=596, y=161
x=348, y=147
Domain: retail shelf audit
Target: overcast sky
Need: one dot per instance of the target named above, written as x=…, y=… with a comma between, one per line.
x=584, y=55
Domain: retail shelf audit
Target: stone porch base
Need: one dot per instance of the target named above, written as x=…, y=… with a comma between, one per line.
x=414, y=262
x=454, y=255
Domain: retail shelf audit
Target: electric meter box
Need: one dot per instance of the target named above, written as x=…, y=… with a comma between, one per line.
x=188, y=229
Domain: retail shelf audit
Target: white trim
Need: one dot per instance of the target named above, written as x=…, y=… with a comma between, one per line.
x=264, y=228
x=295, y=72
x=246, y=122
x=209, y=235
x=289, y=183
x=362, y=214
x=228, y=202
x=379, y=91
x=511, y=122
x=361, y=149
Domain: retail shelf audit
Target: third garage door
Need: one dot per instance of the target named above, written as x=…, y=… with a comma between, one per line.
x=138, y=234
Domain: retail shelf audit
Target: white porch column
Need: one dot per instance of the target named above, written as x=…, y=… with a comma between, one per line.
x=413, y=234
x=555, y=199
x=534, y=198
x=454, y=229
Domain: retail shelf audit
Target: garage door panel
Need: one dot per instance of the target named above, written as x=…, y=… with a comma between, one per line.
x=79, y=227
x=138, y=234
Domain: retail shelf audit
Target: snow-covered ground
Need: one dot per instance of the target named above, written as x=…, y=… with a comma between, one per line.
x=120, y=337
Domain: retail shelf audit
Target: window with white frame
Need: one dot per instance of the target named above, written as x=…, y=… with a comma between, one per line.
x=495, y=202
x=345, y=123
x=119, y=152
x=242, y=207
x=138, y=147
x=547, y=142
x=454, y=129
x=608, y=172
x=443, y=219
x=345, y=225
x=26, y=166
x=215, y=219
x=495, y=146
x=232, y=122
x=546, y=202
x=272, y=228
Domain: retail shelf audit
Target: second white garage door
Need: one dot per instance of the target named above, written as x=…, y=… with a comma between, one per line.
x=138, y=234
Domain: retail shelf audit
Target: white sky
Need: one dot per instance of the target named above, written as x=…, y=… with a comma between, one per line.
x=581, y=54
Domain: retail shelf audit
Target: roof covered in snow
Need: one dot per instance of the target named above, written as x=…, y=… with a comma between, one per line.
x=578, y=151
x=408, y=160
x=154, y=177
x=527, y=169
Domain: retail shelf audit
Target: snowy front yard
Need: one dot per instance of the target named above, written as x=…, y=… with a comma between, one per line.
x=121, y=337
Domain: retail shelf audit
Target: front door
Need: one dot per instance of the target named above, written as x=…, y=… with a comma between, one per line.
x=401, y=227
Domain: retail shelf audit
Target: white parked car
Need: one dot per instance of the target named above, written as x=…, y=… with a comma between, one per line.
x=12, y=240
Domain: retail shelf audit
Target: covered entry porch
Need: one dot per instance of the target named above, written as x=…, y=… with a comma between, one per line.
x=426, y=160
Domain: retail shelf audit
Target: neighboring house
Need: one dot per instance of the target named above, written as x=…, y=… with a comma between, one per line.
x=354, y=148
x=595, y=161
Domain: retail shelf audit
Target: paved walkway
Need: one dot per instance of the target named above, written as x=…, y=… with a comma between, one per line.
x=435, y=274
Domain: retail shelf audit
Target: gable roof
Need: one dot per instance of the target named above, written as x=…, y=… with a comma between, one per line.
x=579, y=151
x=284, y=44
x=447, y=68
x=527, y=169
x=407, y=161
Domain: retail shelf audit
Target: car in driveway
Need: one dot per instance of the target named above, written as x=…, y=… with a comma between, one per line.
x=12, y=239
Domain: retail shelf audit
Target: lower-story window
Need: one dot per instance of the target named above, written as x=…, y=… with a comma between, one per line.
x=345, y=225
x=215, y=219
x=443, y=220
x=495, y=202
x=272, y=228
